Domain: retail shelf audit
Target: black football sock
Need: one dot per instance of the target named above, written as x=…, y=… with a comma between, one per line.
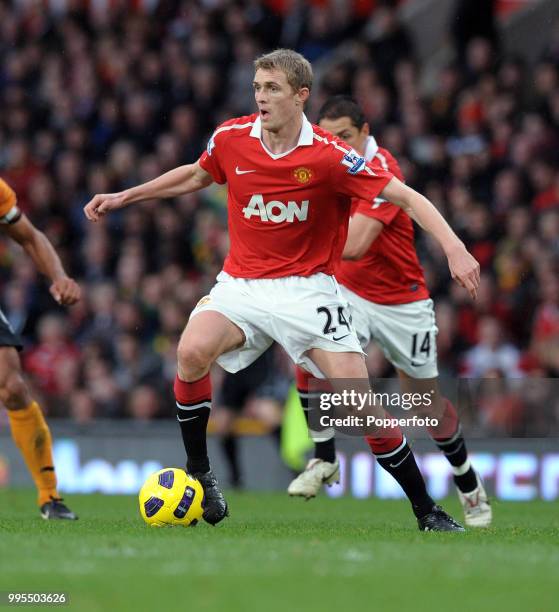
x=324, y=442
x=455, y=451
x=324, y=449
x=402, y=466
x=193, y=403
x=194, y=438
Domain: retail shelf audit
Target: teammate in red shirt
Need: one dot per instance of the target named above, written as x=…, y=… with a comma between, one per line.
x=290, y=186
x=397, y=276
x=382, y=279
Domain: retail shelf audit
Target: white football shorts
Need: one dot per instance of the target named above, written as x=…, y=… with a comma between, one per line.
x=297, y=312
x=407, y=333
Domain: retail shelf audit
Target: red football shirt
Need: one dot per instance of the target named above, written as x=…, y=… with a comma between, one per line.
x=390, y=272
x=285, y=211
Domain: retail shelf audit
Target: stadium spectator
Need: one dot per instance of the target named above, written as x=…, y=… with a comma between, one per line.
x=83, y=409
x=545, y=334
x=135, y=364
x=491, y=353
x=144, y=403
x=53, y=361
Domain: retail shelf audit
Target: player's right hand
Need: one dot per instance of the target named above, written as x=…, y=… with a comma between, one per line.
x=103, y=203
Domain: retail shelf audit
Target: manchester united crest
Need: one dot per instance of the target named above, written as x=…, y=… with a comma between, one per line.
x=302, y=175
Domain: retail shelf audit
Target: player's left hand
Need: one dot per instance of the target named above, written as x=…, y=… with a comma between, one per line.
x=464, y=269
x=65, y=291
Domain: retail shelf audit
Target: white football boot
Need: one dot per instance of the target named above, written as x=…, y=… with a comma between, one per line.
x=316, y=474
x=477, y=510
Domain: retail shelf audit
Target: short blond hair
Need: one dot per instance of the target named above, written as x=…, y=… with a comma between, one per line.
x=296, y=68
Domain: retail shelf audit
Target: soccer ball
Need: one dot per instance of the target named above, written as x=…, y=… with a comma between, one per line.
x=171, y=497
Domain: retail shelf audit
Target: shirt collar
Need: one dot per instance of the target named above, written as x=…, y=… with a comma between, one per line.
x=371, y=148
x=305, y=137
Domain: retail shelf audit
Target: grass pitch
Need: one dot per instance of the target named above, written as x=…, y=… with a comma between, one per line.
x=275, y=553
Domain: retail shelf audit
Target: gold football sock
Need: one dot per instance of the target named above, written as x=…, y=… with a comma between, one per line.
x=32, y=436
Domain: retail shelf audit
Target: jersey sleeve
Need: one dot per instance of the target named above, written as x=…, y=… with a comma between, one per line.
x=7, y=198
x=8, y=208
x=352, y=176
x=381, y=209
x=212, y=158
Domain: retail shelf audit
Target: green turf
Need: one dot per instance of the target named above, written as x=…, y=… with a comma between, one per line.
x=276, y=553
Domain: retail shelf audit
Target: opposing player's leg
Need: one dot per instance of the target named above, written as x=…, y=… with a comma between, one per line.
x=207, y=335
x=31, y=435
x=388, y=444
x=449, y=438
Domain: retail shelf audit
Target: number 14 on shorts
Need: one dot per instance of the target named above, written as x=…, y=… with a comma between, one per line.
x=424, y=347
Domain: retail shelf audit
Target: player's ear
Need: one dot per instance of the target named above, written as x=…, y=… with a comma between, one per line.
x=303, y=95
x=365, y=130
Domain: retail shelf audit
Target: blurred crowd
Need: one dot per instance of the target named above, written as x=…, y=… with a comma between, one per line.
x=102, y=96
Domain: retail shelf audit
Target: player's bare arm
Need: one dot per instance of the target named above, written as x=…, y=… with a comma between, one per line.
x=463, y=267
x=63, y=288
x=181, y=180
x=363, y=231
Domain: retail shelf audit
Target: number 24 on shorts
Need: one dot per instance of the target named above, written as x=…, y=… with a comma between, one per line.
x=342, y=321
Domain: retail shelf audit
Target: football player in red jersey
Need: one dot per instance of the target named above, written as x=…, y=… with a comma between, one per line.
x=382, y=279
x=290, y=186
x=27, y=423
